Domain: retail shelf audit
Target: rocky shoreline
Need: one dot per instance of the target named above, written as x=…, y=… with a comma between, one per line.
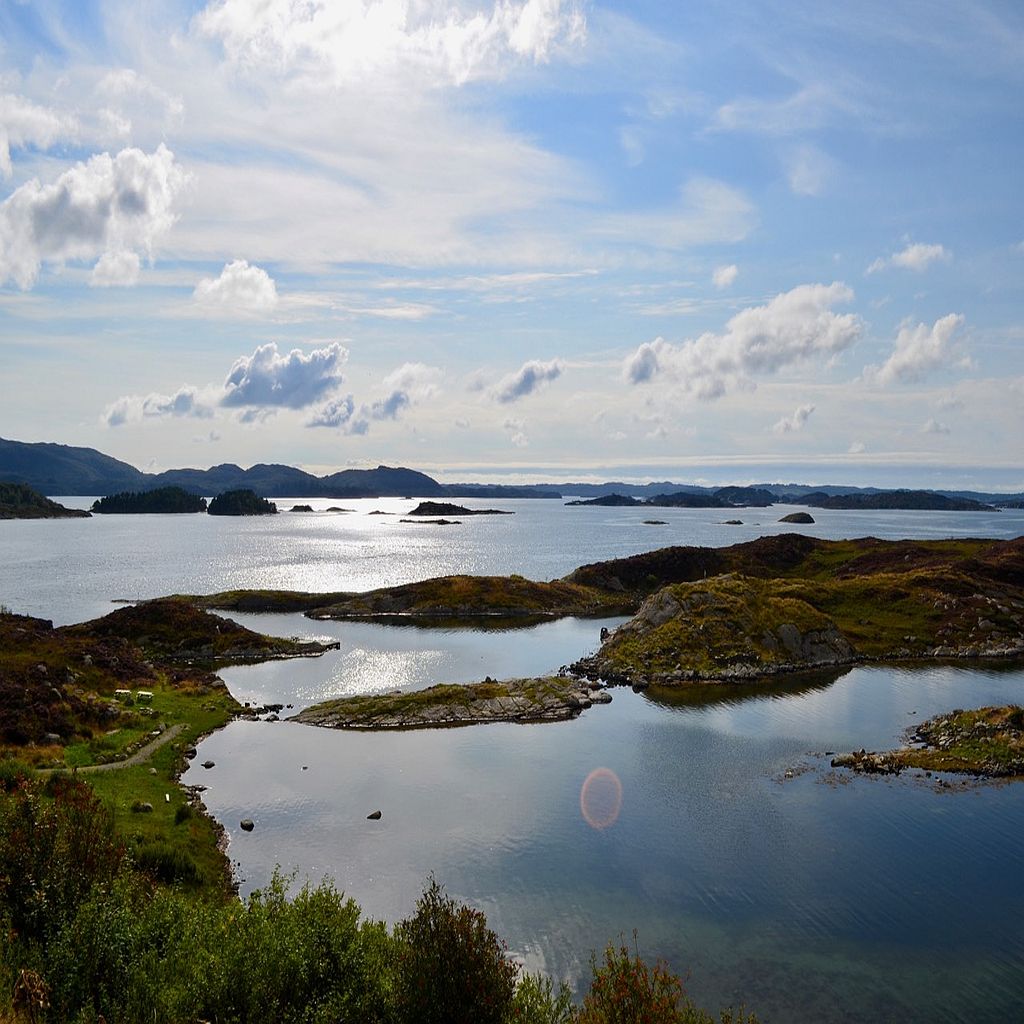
x=986, y=742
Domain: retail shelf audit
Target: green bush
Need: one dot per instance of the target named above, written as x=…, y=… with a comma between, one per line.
x=537, y=1001
x=452, y=968
x=625, y=990
x=52, y=852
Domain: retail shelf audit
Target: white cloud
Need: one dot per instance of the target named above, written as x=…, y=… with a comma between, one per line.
x=516, y=430
x=186, y=401
x=792, y=327
x=23, y=123
x=116, y=268
x=239, y=288
x=707, y=211
x=917, y=256
x=106, y=205
x=338, y=413
x=125, y=99
x=933, y=426
x=358, y=40
x=857, y=448
x=291, y=381
x=789, y=424
x=808, y=170
x=918, y=350
x=725, y=275
x=527, y=379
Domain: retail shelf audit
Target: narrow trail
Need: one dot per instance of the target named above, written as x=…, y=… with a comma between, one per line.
x=140, y=755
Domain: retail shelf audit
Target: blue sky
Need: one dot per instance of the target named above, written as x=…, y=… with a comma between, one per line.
x=534, y=239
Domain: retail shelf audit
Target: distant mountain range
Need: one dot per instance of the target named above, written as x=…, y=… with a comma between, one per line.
x=65, y=469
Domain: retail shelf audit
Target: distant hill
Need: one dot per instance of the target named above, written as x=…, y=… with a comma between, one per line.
x=65, y=469
x=17, y=501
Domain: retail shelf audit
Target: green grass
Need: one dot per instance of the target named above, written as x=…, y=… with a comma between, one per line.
x=196, y=836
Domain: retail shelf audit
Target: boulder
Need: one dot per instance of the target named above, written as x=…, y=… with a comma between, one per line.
x=375, y=816
x=247, y=824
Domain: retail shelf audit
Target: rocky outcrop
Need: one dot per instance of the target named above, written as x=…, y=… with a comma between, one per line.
x=729, y=628
x=550, y=699
x=797, y=517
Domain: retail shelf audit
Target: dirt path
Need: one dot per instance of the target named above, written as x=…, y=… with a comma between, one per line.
x=140, y=755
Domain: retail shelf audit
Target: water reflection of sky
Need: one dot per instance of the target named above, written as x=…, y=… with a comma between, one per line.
x=804, y=896
x=374, y=658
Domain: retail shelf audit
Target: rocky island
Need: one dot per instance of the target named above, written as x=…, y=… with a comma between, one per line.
x=549, y=699
x=446, y=508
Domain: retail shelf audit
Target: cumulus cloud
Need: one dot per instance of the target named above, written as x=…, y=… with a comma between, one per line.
x=336, y=413
x=792, y=327
x=292, y=381
x=644, y=364
x=918, y=350
x=857, y=448
x=404, y=387
x=186, y=401
x=116, y=268
x=239, y=287
x=917, y=256
x=23, y=123
x=789, y=424
x=363, y=39
x=724, y=276
x=106, y=205
x=933, y=426
x=527, y=379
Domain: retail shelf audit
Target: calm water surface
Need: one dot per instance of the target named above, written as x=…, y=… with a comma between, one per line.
x=813, y=898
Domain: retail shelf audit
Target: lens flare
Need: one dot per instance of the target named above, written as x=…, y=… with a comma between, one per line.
x=601, y=798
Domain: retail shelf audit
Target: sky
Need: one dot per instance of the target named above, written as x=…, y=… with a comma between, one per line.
x=511, y=240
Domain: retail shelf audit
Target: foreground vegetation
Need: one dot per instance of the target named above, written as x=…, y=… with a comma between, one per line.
x=91, y=935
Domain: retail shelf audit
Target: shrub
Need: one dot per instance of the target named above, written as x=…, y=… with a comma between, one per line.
x=452, y=968
x=182, y=813
x=537, y=1001
x=624, y=990
x=52, y=852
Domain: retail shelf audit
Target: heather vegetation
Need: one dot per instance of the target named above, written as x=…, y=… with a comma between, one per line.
x=162, y=499
x=92, y=933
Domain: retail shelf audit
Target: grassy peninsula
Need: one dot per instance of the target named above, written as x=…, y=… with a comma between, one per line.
x=93, y=698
